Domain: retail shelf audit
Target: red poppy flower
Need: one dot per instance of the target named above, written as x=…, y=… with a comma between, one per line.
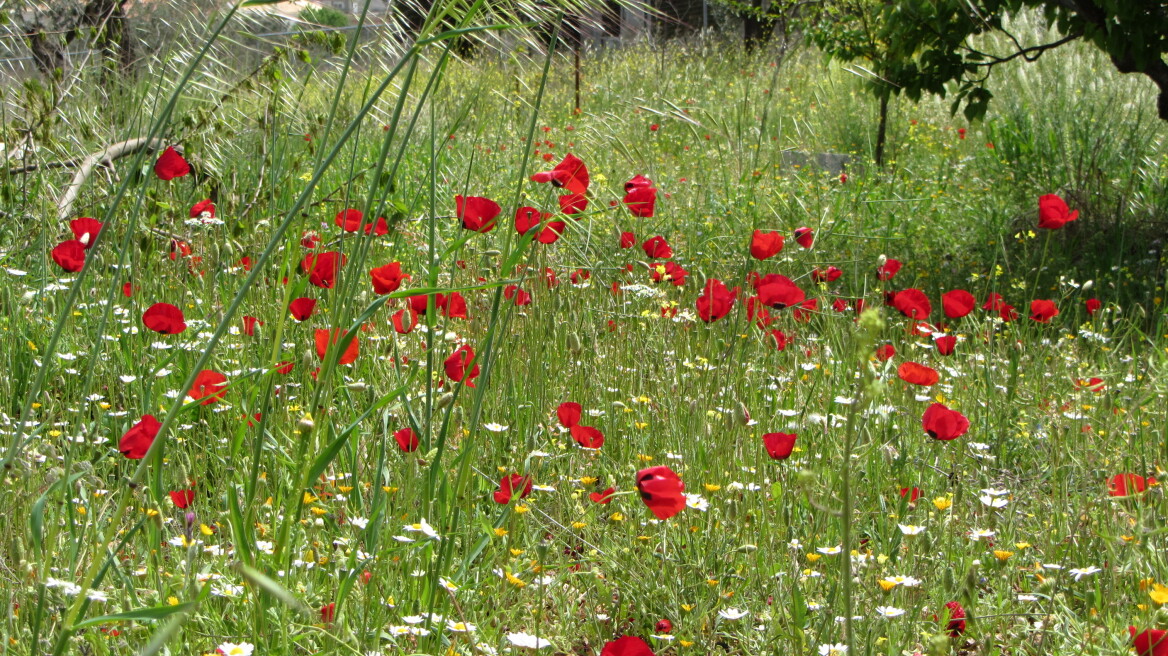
x=310, y=240
x=573, y=203
x=1151, y=642
x=549, y=277
x=387, y=279
x=994, y=302
x=210, y=386
x=1053, y=212
x=453, y=306
x=1093, y=306
x=459, y=366
x=1094, y=383
x=1123, y=485
x=249, y=325
x=407, y=440
x=136, y=441
x=171, y=165
x=913, y=304
x=69, y=255
x=805, y=236
x=182, y=498
x=322, y=268
x=202, y=206
x=179, y=249
x=911, y=493
x=670, y=271
x=765, y=245
x=888, y=269
x=663, y=626
x=349, y=219
x=957, y=303
x=641, y=201
x=164, y=318
x=579, y=276
x=128, y=289
x=804, y=310
x=657, y=248
x=377, y=228
x=511, y=484
x=570, y=174
x=301, y=308
x=528, y=218
x=403, y=323
x=779, y=445
x=328, y=613
x=627, y=645
x=569, y=414
x=917, y=374
x=956, y=614
x=476, y=213
x=1008, y=313
x=420, y=303
x=1043, y=311
x=587, y=436
x=715, y=301
x=516, y=295
x=781, y=339
x=840, y=305
x=885, y=352
x=325, y=338
x=662, y=491
x=830, y=274
x=946, y=344
x=628, y=240
x=778, y=291
x=603, y=497
x=85, y=230
x=637, y=182
x=941, y=423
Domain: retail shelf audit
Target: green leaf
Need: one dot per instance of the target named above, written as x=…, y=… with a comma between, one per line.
x=142, y=614
x=36, y=517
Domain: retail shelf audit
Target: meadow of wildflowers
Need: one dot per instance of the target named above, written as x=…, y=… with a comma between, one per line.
x=416, y=357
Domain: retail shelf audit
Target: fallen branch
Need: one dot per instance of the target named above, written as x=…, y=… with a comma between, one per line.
x=29, y=168
x=100, y=158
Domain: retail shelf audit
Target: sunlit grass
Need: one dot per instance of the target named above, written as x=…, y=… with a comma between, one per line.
x=309, y=527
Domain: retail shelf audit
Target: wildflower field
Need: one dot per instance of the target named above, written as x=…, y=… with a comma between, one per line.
x=394, y=351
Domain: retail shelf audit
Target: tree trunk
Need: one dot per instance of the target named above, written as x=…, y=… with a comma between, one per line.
x=756, y=28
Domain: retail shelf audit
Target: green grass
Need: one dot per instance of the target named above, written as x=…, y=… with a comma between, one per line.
x=304, y=507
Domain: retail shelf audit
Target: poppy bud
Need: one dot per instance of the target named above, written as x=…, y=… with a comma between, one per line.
x=574, y=343
x=939, y=645
x=742, y=415
x=1088, y=285
x=444, y=400
x=358, y=386
x=306, y=424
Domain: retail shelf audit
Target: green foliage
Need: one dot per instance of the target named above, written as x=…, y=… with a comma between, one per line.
x=326, y=16
x=929, y=46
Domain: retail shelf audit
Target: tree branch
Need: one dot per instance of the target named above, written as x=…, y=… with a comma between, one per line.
x=1029, y=54
x=101, y=157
